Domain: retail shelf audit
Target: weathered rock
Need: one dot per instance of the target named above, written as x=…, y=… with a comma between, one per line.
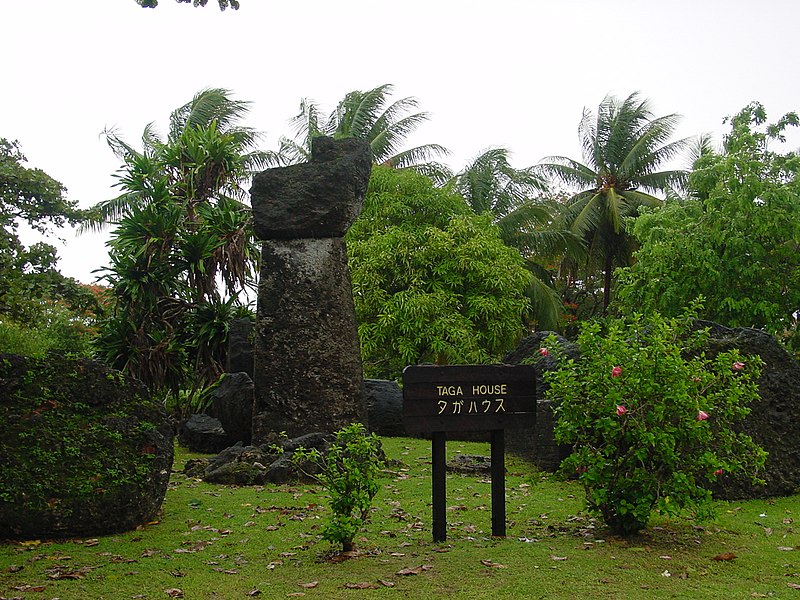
x=240, y=347
x=256, y=465
x=308, y=374
x=470, y=464
x=318, y=199
x=384, y=401
x=311, y=441
x=84, y=451
x=538, y=444
x=202, y=433
x=233, y=405
x=774, y=420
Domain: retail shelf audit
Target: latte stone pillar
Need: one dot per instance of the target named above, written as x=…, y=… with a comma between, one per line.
x=308, y=375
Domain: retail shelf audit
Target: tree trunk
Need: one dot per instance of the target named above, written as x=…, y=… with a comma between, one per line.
x=609, y=266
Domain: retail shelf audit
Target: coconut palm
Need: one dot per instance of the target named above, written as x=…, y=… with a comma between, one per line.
x=369, y=116
x=516, y=200
x=624, y=146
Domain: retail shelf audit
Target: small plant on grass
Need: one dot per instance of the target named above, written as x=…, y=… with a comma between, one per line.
x=651, y=417
x=349, y=471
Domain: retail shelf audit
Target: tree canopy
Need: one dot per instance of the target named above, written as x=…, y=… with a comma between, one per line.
x=624, y=145
x=432, y=281
x=34, y=296
x=736, y=242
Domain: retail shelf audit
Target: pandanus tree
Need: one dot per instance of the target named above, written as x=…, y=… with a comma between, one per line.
x=369, y=116
x=517, y=201
x=182, y=248
x=624, y=148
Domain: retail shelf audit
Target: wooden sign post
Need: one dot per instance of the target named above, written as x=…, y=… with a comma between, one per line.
x=437, y=399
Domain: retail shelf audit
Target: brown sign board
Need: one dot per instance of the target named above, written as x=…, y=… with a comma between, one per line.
x=468, y=397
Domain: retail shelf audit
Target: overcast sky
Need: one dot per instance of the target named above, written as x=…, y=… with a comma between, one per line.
x=491, y=73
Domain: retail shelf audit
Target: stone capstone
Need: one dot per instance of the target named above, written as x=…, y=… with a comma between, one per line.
x=84, y=450
x=318, y=199
x=308, y=375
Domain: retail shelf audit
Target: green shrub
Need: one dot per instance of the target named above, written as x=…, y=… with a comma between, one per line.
x=349, y=470
x=16, y=339
x=56, y=329
x=651, y=417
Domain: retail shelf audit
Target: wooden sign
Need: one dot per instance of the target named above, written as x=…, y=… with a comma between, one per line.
x=468, y=397
x=492, y=398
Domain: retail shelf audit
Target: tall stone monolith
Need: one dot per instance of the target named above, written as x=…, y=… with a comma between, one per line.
x=307, y=361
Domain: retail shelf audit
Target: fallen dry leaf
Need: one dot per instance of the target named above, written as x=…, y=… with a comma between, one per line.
x=785, y=548
x=174, y=592
x=414, y=570
x=386, y=583
x=60, y=573
x=493, y=565
x=725, y=556
x=121, y=559
x=30, y=588
x=253, y=592
x=794, y=586
x=309, y=585
x=362, y=585
x=553, y=557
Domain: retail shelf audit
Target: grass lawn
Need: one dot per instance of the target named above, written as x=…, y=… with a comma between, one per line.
x=226, y=542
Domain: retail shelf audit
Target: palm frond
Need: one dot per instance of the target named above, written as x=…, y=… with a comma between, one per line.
x=211, y=104
x=415, y=156
x=568, y=171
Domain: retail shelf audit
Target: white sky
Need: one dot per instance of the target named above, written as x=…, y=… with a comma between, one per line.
x=491, y=73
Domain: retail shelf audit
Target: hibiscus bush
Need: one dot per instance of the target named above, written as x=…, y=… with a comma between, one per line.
x=651, y=418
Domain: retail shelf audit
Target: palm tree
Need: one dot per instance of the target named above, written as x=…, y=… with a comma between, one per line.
x=369, y=116
x=182, y=231
x=514, y=198
x=624, y=145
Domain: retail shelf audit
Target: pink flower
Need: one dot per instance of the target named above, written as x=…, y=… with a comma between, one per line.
x=718, y=472
x=702, y=415
x=544, y=351
x=616, y=371
x=738, y=366
x=621, y=410
x=581, y=469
